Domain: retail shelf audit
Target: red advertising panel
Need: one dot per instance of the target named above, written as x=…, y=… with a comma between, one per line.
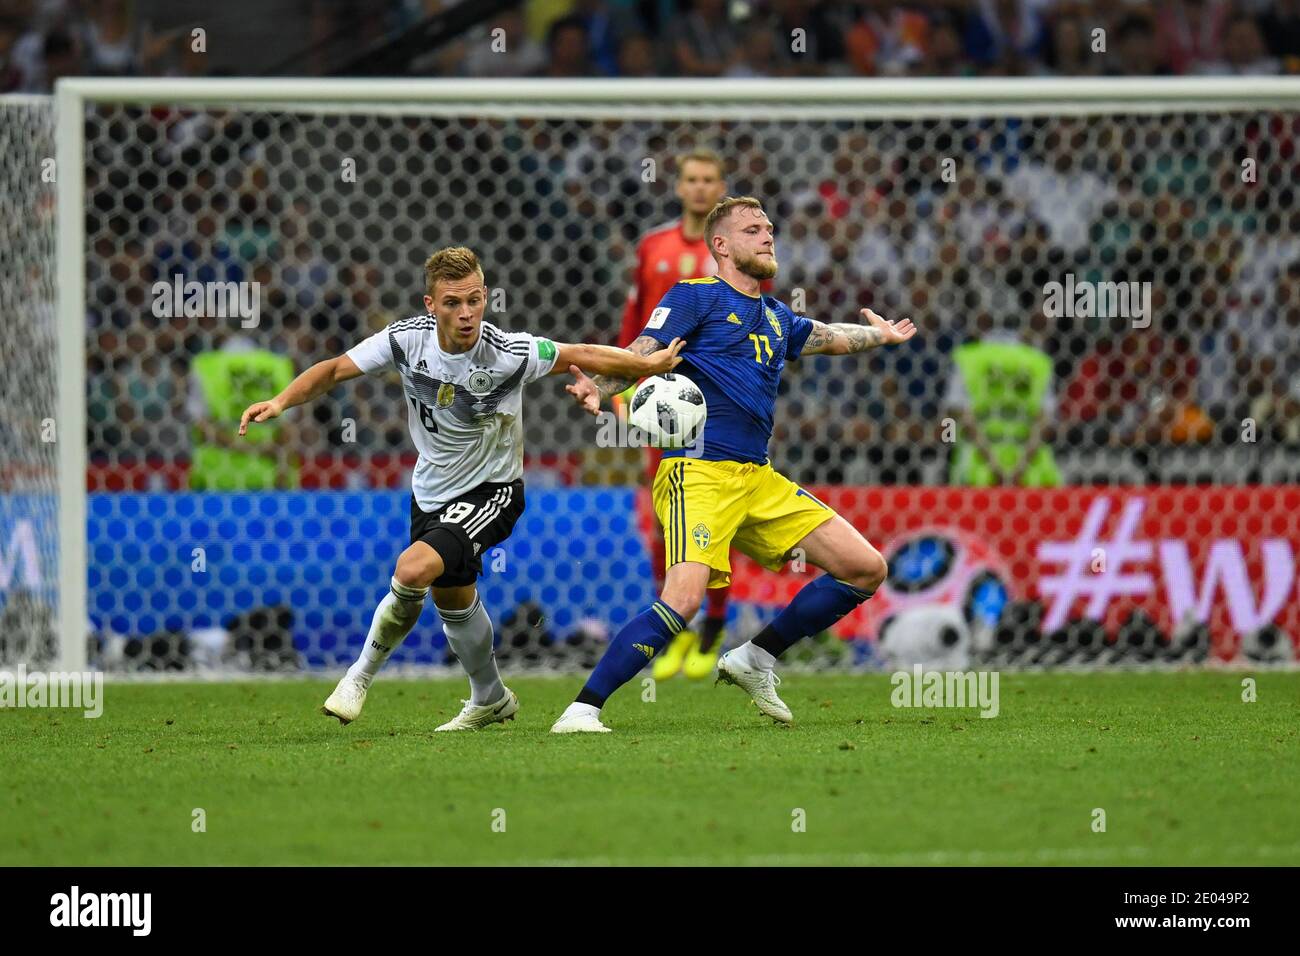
x=1226, y=555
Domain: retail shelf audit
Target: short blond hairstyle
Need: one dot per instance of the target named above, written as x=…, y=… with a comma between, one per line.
x=452, y=263
x=702, y=156
x=719, y=213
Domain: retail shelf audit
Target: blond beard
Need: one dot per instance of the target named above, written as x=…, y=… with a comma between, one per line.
x=755, y=268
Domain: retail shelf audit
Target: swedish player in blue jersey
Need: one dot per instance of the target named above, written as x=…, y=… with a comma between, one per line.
x=725, y=493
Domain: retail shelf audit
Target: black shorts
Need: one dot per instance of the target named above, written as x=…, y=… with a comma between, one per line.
x=462, y=530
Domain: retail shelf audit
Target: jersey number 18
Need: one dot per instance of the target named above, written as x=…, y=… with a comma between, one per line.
x=426, y=416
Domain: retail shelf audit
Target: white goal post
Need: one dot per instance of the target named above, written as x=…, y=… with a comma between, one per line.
x=810, y=105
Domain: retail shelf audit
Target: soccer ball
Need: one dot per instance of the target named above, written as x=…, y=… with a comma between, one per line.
x=936, y=636
x=669, y=409
x=941, y=568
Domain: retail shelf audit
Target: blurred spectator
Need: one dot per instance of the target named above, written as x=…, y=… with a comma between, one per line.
x=1280, y=24
x=1002, y=397
x=636, y=57
x=865, y=217
x=874, y=253
x=1068, y=49
x=755, y=54
x=704, y=41
x=111, y=40
x=223, y=382
x=803, y=38
x=807, y=252
x=27, y=54
x=11, y=77
x=942, y=55
x=701, y=38
x=1276, y=412
x=61, y=56
x=522, y=56
x=1244, y=52
x=1064, y=196
x=1189, y=33
x=1274, y=405
x=1003, y=33
x=1135, y=50
x=567, y=49
x=1170, y=414
x=602, y=33
x=892, y=41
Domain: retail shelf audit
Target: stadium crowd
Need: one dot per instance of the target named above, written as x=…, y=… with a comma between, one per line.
x=714, y=38
x=865, y=219
x=41, y=40
x=555, y=209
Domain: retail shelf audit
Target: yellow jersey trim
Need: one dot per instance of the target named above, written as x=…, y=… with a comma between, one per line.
x=741, y=291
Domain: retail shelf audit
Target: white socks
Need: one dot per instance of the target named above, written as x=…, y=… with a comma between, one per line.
x=754, y=657
x=393, y=620
x=469, y=634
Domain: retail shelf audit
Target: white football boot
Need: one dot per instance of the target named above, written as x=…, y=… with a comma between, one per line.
x=758, y=683
x=580, y=719
x=473, y=716
x=346, y=701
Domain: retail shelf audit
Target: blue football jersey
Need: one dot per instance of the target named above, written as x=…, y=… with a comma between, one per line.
x=736, y=346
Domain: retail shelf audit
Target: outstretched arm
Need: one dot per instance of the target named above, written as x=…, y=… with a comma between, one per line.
x=314, y=382
x=605, y=360
x=590, y=392
x=846, y=338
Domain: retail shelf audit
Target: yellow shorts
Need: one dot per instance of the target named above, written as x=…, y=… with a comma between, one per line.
x=708, y=507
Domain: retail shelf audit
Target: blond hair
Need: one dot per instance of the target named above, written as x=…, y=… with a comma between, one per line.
x=452, y=263
x=724, y=209
x=702, y=155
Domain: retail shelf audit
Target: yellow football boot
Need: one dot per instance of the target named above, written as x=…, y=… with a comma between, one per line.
x=700, y=664
x=669, y=662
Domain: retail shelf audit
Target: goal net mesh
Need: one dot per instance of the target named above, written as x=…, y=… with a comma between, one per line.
x=1171, y=391
x=28, y=386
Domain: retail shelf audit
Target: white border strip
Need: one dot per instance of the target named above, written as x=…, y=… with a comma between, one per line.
x=757, y=113
x=26, y=99
x=70, y=422
x=846, y=96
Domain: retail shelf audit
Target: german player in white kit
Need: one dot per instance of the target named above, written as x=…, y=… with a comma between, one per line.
x=463, y=380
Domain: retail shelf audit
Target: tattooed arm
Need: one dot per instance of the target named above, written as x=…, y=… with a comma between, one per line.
x=590, y=392
x=846, y=338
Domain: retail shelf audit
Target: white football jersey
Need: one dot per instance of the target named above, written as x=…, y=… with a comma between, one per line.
x=463, y=409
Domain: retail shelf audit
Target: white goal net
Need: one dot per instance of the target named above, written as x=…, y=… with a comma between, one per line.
x=29, y=591
x=1133, y=246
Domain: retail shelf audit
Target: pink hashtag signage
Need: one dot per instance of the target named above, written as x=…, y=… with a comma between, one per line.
x=1226, y=556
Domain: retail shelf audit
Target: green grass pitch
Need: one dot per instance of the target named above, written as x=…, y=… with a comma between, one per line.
x=1186, y=772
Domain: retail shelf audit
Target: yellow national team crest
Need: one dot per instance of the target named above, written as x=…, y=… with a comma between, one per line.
x=446, y=394
x=701, y=535
x=771, y=317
